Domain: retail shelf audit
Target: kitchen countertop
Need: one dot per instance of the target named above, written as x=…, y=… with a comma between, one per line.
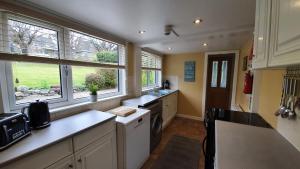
x=145, y=99
x=57, y=131
x=241, y=146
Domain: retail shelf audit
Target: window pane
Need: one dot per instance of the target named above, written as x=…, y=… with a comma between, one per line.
x=224, y=74
x=214, y=76
x=151, y=78
x=36, y=82
x=144, y=78
x=90, y=49
x=106, y=80
x=32, y=40
x=159, y=78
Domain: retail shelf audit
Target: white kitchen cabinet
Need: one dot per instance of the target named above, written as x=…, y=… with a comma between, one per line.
x=92, y=148
x=66, y=163
x=99, y=154
x=44, y=158
x=169, y=108
x=277, y=33
x=261, y=34
x=285, y=33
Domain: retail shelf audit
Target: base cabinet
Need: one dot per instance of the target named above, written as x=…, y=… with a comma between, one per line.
x=169, y=108
x=100, y=154
x=79, y=152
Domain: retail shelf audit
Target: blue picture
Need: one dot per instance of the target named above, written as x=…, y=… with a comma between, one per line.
x=189, y=71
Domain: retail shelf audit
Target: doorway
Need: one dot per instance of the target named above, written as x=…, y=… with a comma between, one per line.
x=231, y=85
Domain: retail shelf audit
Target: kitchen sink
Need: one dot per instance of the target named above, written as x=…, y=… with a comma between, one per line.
x=160, y=93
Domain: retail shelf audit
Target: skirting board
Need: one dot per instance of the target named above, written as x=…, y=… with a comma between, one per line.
x=189, y=117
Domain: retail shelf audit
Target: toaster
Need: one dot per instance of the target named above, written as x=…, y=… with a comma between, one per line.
x=13, y=127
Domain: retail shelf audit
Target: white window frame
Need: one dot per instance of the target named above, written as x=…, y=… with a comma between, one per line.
x=7, y=82
x=121, y=76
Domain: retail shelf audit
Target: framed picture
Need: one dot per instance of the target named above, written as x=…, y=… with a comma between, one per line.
x=189, y=71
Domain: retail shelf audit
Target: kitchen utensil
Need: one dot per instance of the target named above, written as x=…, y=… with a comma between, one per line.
x=277, y=113
x=292, y=100
x=38, y=114
x=285, y=95
x=288, y=98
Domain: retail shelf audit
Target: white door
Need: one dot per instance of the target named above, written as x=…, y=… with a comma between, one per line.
x=285, y=33
x=98, y=155
x=261, y=33
x=66, y=163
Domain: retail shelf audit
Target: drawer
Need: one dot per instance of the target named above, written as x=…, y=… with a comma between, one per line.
x=43, y=158
x=91, y=135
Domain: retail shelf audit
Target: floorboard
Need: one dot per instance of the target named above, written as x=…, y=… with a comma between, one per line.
x=179, y=126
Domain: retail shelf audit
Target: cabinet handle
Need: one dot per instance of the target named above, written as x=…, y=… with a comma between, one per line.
x=79, y=160
x=70, y=166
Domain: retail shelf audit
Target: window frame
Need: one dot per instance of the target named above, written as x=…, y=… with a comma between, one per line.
x=121, y=90
x=66, y=79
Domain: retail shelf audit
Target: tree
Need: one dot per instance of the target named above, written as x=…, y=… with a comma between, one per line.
x=100, y=45
x=23, y=34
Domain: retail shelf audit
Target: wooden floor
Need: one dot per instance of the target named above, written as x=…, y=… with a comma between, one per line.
x=179, y=126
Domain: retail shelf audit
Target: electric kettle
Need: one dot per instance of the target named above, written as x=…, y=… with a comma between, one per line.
x=38, y=114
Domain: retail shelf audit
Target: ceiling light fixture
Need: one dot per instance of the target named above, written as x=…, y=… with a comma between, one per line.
x=260, y=38
x=204, y=44
x=141, y=32
x=197, y=21
x=169, y=48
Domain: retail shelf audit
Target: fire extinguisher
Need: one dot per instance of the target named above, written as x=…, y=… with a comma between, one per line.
x=248, y=83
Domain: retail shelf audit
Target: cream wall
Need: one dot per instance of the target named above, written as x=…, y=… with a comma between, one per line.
x=269, y=88
x=270, y=94
x=242, y=100
x=190, y=93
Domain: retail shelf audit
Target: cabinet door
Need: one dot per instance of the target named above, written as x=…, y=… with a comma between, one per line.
x=99, y=155
x=66, y=163
x=173, y=105
x=165, y=111
x=285, y=33
x=261, y=33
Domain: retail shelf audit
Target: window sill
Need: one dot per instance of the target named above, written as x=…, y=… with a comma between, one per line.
x=86, y=103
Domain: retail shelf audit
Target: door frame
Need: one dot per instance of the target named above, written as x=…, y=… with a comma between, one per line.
x=235, y=74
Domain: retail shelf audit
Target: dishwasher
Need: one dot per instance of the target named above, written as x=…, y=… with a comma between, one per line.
x=133, y=138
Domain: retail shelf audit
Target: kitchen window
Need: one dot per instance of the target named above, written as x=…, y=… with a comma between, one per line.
x=41, y=61
x=151, y=71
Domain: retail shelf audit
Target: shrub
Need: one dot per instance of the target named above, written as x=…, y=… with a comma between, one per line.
x=103, y=79
x=107, y=56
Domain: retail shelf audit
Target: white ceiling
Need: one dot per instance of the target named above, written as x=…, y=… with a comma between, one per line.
x=226, y=25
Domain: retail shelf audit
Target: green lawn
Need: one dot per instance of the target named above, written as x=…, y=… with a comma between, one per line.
x=45, y=75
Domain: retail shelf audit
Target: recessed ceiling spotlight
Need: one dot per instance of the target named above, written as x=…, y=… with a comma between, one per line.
x=197, y=21
x=141, y=32
x=204, y=44
x=169, y=48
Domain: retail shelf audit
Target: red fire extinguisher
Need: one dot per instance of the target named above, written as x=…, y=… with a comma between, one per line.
x=248, y=83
